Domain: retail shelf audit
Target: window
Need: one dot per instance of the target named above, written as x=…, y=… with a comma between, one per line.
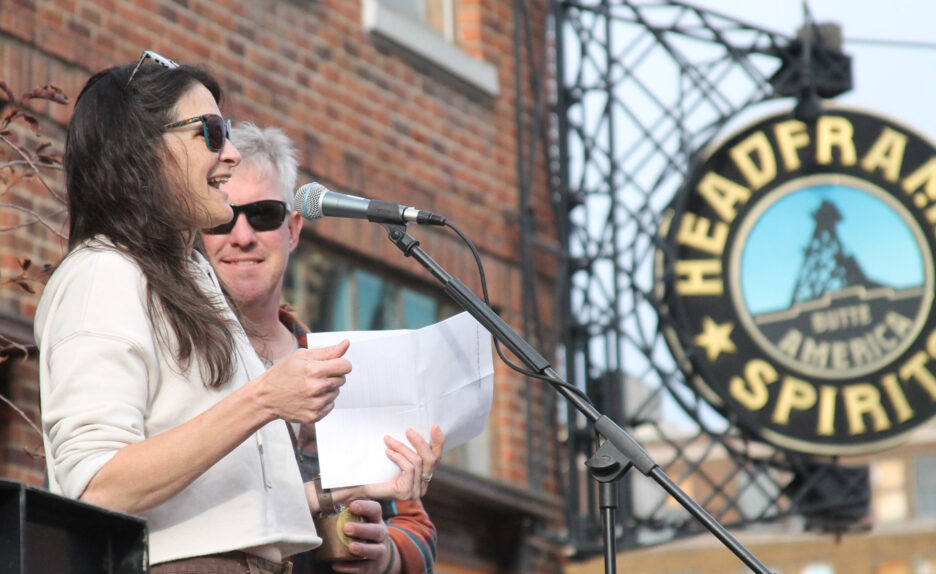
x=893, y=567
x=438, y=15
x=474, y=456
x=925, y=485
x=889, y=490
x=429, y=29
x=329, y=293
x=926, y=566
x=333, y=295
x=757, y=489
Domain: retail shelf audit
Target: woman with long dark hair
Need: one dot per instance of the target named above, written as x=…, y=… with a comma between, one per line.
x=153, y=400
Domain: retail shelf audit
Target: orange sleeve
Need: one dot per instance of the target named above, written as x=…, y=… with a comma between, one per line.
x=413, y=534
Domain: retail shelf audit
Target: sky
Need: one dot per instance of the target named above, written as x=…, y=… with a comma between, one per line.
x=898, y=82
x=773, y=251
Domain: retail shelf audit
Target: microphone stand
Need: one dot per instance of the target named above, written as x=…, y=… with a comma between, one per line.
x=616, y=455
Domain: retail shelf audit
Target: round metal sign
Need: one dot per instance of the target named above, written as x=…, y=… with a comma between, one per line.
x=799, y=274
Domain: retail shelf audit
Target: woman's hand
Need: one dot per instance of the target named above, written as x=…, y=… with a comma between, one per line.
x=372, y=542
x=416, y=468
x=303, y=386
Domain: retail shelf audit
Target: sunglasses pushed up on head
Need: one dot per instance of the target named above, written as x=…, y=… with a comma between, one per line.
x=264, y=215
x=215, y=129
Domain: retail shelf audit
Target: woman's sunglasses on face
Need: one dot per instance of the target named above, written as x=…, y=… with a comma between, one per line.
x=264, y=215
x=215, y=129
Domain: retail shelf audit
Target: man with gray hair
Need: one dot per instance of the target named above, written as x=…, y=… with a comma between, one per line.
x=250, y=255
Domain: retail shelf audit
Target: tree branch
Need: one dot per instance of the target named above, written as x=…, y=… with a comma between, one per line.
x=22, y=414
x=22, y=153
x=38, y=219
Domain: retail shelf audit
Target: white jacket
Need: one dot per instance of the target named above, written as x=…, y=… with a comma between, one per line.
x=105, y=383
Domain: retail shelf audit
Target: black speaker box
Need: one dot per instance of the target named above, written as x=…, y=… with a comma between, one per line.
x=43, y=533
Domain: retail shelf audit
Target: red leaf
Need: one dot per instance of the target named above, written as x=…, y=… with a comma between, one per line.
x=6, y=91
x=42, y=146
x=9, y=116
x=47, y=92
x=32, y=121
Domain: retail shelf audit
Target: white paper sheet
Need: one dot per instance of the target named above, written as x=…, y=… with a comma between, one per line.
x=442, y=374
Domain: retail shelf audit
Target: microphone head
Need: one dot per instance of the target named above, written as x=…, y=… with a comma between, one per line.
x=308, y=201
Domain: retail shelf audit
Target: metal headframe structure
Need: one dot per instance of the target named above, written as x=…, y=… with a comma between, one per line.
x=642, y=86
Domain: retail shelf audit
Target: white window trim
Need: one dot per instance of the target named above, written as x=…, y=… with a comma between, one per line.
x=384, y=22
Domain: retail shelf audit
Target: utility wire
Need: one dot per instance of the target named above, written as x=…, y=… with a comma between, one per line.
x=909, y=44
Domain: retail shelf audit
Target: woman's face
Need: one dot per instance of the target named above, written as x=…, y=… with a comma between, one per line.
x=203, y=170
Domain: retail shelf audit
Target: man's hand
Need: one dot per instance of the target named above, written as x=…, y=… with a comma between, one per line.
x=374, y=542
x=416, y=466
x=303, y=386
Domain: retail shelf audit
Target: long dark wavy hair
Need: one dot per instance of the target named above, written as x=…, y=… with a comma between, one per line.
x=123, y=184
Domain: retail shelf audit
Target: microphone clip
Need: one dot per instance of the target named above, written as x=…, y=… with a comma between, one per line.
x=399, y=237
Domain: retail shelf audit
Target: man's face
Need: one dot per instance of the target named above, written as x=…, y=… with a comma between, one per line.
x=251, y=263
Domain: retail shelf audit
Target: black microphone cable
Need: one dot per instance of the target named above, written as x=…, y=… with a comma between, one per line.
x=500, y=353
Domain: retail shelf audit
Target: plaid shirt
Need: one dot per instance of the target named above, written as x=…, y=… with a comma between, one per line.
x=410, y=528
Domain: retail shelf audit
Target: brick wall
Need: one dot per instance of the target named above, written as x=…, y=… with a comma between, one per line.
x=20, y=442
x=368, y=119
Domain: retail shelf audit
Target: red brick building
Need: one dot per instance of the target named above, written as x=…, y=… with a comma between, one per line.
x=423, y=102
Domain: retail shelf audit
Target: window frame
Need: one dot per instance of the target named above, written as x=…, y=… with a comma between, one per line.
x=384, y=22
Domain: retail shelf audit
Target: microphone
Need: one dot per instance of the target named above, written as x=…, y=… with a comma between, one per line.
x=314, y=200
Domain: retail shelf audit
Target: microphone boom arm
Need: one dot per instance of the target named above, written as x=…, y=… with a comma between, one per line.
x=608, y=464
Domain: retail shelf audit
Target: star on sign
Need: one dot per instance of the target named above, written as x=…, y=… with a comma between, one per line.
x=715, y=338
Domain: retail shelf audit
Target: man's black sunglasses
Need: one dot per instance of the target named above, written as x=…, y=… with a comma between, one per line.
x=264, y=215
